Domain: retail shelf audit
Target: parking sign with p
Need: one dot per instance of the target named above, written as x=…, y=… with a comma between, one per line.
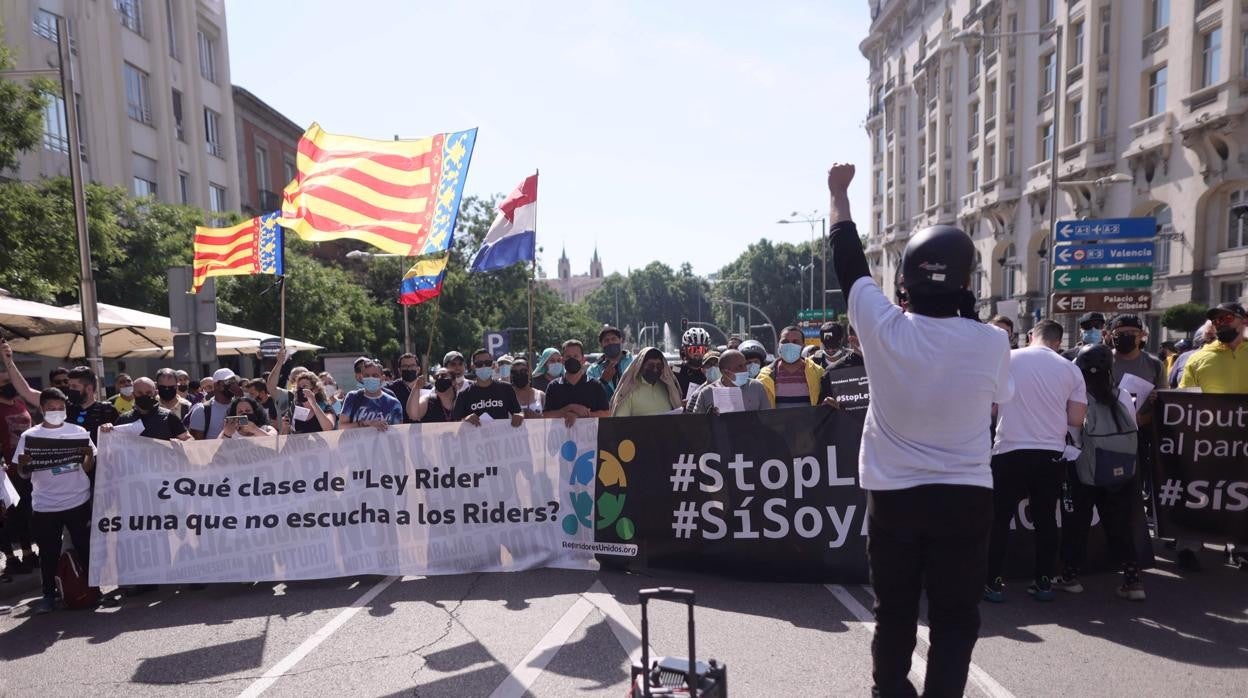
x=497, y=342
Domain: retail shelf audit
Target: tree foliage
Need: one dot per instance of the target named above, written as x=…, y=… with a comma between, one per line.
x=21, y=111
x=1185, y=318
x=649, y=297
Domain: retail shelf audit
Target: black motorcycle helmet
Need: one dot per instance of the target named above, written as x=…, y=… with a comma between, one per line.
x=1095, y=359
x=938, y=260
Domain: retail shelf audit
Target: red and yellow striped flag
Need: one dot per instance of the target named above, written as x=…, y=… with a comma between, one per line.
x=400, y=196
x=251, y=247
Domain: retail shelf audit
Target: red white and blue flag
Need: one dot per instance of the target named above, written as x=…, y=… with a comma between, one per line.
x=513, y=235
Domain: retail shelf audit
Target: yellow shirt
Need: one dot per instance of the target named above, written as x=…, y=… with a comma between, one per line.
x=1217, y=368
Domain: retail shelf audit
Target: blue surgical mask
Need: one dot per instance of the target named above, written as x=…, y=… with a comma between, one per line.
x=504, y=371
x=371, y=385
x=740, y=379
x=713, y=375
x=1092, y=336
x=754, y=369
x=555, y=370
x=485, y=373
x=790, y=352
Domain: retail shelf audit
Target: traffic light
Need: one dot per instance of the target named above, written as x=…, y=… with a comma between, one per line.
x=684, y=324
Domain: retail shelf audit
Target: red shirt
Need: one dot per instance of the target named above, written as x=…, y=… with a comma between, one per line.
x=14, y=419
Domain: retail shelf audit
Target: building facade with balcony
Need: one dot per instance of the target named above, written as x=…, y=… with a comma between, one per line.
x=267, y=145
x=1150, y=97
x=152, y=78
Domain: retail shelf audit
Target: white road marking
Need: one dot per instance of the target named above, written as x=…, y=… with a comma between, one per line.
x=288, y=662
x=621, y=626
x=918, y=666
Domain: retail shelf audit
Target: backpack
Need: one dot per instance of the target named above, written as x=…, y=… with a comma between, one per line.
x=1110, y=445
x=71, y=580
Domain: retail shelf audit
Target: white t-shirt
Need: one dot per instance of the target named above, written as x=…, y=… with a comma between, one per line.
x=1036, y=418
x=61, y=488
x=933, y=382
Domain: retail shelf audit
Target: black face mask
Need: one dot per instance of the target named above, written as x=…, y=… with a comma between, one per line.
x=147, y=403
x=571, y=366
x=1125, y=344
x=442, y=385
x=75, y=396
x=693, y=363
x=650, y=376
x=167, y=392
x=1226, y=335
x=409, y=375
x=520, y=379
x=8, y=391
x=611, y=350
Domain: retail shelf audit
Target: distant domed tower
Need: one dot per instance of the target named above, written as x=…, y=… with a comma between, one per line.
x=595, y=266
x=565, y=267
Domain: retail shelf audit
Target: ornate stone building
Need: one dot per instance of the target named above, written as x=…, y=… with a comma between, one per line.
x=575, y=288
x=1151, y=97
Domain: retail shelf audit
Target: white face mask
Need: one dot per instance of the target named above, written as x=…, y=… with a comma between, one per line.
x=126, y=391
x=56, y=417
x=331, y=389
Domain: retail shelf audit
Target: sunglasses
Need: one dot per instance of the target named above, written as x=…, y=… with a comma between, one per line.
x=696, y=351
x=1226, y=319
x=482, y=364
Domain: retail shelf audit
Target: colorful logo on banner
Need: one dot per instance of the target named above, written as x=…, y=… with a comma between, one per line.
x=612, y=487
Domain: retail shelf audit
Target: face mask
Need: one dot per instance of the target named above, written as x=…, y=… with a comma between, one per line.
x=1092, y=336
x=1226, y=335
x=1125, y=344
x=485, y=373
x=693, y=363
x=8, y=391
x=740, y=379
x=127, y=391
x=56, y=417
x=371, y=385
x=555, y=370
x=75, y=396
x=167, y=392
x=650, y=376
x=147, y=403
x=713, y=374
x=442, y=385
x=611, y=350
x=753, y=369
x=182, y=388
x=790, y=352
x=572, y=365
x=520, y=379
x=504, y=372
x=409, y=375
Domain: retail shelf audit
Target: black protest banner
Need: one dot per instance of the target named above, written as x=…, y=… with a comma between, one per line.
x=771, y=494
x=1202, y=464
x=849, y=387
x=55, y=454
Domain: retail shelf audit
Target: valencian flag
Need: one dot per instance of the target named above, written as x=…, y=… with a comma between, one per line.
x=423, y=281
x=400, y=196
x=513, y=235
x=251, y=247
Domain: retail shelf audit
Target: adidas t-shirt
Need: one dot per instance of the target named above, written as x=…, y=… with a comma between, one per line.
x=496, y=399
x=62, y=487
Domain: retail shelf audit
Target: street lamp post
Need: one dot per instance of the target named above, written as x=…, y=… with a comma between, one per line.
x=810, y=218
x=407, y=335
x=749, y=286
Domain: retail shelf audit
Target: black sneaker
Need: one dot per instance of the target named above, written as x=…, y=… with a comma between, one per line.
x=45, y=605
x=1189, y=562
x=1068, y=582
x=994, y=591
x=1042, y=590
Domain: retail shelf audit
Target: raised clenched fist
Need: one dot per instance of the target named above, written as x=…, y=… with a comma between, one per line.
x=839, y=177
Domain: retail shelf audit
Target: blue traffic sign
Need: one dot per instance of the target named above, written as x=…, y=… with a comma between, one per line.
x=1104, y=253
x=1106, y=228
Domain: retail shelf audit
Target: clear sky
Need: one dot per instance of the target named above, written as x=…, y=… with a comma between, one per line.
x=673, y=131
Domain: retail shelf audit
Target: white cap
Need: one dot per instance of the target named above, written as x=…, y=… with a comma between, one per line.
x=223, y=375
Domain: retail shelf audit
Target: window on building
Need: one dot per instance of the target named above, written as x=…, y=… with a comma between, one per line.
x=44, y=24
x=207, y=55
x=288, y=171
x=184, y=188
x=1009, y=93
x=1076, y=121
x=216, y=200
x=1157, y=91
x=974, y=178
x=55, y=129
x=131, y=13
x=879, y=223
x=879, y=183
x=1048, y=74
x=144, y=187
x=1237, y=225
x=138, y=99
x=1231, y=291
x=1076, y=45
x=212, y=133
x=1161, y=249
x=143, y=175
x=990, y=163
x=990, y=101
x=948, y=188
x=1243, y=59
x=1046, y=141
x=1048, y=11
x=1211, y=57
x=171, y=29
x=977, y=276
x=974, y=122
x=1102, y=112
x=1160, y=15
x=1106, y=31
x=177, y=116
x=1009, y=155
x=972, y=67
x=262, y=168
x=1008, y=272
x=878, y=140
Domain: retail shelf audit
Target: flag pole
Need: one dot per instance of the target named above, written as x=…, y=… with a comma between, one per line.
x=433, y=325
x=533, y=278
x=281, y=302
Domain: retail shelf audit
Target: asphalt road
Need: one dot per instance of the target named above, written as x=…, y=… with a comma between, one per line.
x=564, y=633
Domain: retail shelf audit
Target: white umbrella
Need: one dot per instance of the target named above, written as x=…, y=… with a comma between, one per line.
x=25, y=319
x=239, y=347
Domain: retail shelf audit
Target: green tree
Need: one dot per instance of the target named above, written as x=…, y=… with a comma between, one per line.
x=1185, y=318
x=21, y=111
x=774, y=276
x=651, y=296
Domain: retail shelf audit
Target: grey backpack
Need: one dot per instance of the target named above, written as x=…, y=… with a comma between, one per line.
x=1110, y=445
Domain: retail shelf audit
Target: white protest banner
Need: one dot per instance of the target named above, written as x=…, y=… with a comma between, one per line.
x=414, y=499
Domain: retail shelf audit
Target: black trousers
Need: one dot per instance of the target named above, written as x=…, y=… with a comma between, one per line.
x=1114, y=505
x=15, y=532
x=933, y=538
x=1019, y=475
x=48, y=526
